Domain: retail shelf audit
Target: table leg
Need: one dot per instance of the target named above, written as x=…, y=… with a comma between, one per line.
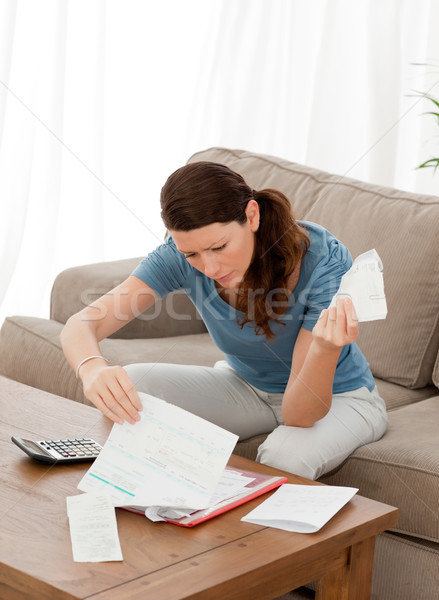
x=352, y=581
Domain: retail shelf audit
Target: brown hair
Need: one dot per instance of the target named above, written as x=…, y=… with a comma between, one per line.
x=203, y=193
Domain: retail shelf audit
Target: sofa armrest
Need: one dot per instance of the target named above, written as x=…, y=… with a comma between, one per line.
x=77, y=287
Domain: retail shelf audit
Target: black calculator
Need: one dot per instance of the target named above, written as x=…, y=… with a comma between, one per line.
x=71, y=450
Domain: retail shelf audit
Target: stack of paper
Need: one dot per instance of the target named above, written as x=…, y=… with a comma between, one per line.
x=230, y=485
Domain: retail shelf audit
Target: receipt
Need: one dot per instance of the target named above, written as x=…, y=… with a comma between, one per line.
x=93, y=528
x=364, y=284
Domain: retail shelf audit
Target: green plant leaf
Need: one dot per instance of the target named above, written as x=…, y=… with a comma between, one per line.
x=431, y=163
x=432, y=100
x=424, y=64
x=425, y=95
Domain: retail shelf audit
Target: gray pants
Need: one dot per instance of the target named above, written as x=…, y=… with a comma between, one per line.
x=221, y=396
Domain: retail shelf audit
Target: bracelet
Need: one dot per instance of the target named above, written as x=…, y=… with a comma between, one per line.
x=87, y=359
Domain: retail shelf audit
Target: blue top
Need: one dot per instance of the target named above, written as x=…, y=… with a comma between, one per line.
x=265, y=364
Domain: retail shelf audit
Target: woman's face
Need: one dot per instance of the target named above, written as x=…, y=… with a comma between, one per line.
x=222, y=251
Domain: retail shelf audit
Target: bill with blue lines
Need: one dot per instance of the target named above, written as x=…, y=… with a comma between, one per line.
x=168, y=458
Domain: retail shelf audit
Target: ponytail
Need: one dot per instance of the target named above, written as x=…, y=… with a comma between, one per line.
x=280, y=244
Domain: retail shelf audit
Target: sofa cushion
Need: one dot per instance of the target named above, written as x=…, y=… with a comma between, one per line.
x=404, y=229
x=396, y=396
x=30, y=352
x=405, y=232
x=401, y=469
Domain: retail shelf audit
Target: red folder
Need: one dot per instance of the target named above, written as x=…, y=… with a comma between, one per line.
x=259, y=485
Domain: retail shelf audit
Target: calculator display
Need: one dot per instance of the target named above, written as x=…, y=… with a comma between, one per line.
x=33, y=446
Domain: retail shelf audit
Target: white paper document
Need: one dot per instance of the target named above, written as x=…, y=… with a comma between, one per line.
x=93, y=528
x=169, y=458
x=230, y=484
x=364, y=284
x=301, y=508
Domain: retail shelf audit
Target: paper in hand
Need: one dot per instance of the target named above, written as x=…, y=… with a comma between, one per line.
x=169, y=458
x=364, y=284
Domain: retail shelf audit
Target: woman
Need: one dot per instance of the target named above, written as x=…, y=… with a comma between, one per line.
x=262, y=282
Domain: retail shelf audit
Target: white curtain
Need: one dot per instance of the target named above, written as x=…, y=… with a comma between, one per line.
x=101, y=100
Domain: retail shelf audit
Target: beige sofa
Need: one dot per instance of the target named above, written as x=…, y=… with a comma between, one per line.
x=402, y=469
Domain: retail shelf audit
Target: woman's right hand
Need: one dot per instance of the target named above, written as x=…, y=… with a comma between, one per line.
x=108, y=388
x=111, y=391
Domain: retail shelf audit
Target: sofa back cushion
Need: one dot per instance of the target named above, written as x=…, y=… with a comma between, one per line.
x=78, y=287
x=404, y=229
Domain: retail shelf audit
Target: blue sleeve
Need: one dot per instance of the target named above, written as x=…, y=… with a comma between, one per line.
x=325, y=280
x=165, y=269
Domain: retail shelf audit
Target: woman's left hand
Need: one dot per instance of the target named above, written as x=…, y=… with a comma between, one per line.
x=337, y=326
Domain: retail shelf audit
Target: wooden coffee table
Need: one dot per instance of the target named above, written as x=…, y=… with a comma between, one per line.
x=220, y=559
